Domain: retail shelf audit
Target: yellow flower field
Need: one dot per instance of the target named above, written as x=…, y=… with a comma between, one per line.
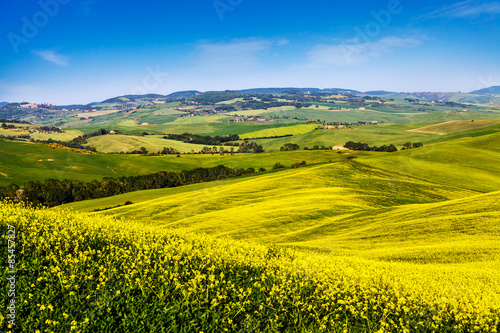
x=97, y=274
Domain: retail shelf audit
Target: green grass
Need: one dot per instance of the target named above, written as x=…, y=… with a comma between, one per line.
x=274, y=208
x=23, y=162
x=278, y=131
x=68, y=135
x=472, y=163
x=383, y=114
x=456, y=126
x=397, y=241
x=370, y=207
x=373, y=135
x=153, y=143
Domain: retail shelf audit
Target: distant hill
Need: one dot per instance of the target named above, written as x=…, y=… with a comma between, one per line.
x=182, y=94
x=483, y=96
x=281, y=90
x=434, y=96
x=130, y=98
x=171, y=97
x=490, y=90
x=74, y=106
x=379, y=92
x=267, y=90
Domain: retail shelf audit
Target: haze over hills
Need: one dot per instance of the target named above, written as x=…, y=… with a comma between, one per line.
x=313, y=90
x=482, y=96
x=490, y=90
x=171, y=97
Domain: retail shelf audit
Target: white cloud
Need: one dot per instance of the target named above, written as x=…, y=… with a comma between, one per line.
x=466, y=9
x=353, y=53
x=235, y=55
x=53, y=57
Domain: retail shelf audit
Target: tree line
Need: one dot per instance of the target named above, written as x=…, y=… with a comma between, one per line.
x=289, y=147
x=53, y=192
x=202, y=139
x=50, y=129
x=363, y=146
x=14, y=121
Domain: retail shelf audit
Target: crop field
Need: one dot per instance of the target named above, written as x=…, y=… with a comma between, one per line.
x=94, y=114
x=455, y=126
x=294, y=200
x=347, y=115
x=371, y=134
x=472, y=163
x=278, y=131
x=153, y=143
x=68, y=135
x=330, y=241
x=388, y=116
x=23, y=162
x=13, y=131
x=260, y=112
x=145, y=278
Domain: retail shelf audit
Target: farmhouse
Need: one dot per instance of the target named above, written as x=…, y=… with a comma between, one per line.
x=339, y=147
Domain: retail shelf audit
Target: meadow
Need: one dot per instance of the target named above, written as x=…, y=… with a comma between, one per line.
x=153, y=143
x=455, y=126
x=94, y=274
x=352, y=241
x=472, y=163
x=23, y=162
x=340, y=206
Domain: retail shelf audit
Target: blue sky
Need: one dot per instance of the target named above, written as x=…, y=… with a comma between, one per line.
x=69, y=51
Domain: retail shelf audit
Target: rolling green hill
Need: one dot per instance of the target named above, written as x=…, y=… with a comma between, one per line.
x=472, y=163
x=365, y=207
x=153, y=143
x=278, y=207
x=353, y=241
x=23, y=162
x=456, y=126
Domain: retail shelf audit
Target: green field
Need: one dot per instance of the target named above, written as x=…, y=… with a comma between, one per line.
x=472, y=163
x=373, y=135
x=337, y=205
x=68, y=135
x=352, y=241
x=456, y=126
x=279, y=131
x=126, y=143
x=286, y=207
x=23, y=162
